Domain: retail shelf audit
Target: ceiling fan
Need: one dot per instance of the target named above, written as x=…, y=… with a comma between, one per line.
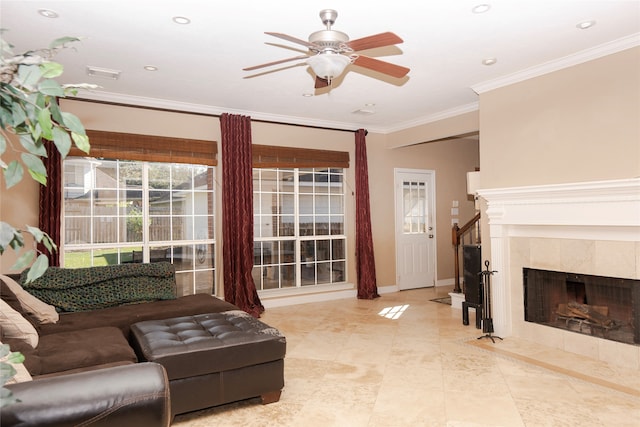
x=331, y=51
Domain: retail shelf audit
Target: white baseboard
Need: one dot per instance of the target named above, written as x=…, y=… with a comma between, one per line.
x=388, y=289
x=285, y=300
x=446, y=282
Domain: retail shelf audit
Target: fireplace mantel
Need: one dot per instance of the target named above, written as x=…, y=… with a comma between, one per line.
x=589, y=211
x=614, y=203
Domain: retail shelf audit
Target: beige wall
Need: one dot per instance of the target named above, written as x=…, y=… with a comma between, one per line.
x=18, y=207
x=578, y=124
x=450, y=160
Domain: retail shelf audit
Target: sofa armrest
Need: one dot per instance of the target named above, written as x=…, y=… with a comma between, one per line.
x=130, y=395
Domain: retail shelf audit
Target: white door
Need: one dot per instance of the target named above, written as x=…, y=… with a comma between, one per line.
x=415, y=228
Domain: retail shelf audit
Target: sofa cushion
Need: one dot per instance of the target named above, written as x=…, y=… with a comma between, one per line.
x=14, y=326
x=126, y=315
x=91, y=288
x=31, y=306
x=79, y=349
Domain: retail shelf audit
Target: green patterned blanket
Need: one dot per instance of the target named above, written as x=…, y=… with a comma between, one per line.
x=82, y=289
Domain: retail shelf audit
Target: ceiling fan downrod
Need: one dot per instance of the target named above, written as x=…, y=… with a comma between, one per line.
x=328, y=17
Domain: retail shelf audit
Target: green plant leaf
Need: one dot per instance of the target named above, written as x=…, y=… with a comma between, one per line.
x=34, y=146
x=13, y=173
x=7, y=234
x=7, y=371
x=62, y=140
x=24, y=260
x=55, y=111
x=51, y=88
x=48, y=243
x=73, y=123
x=46, y=125
x=38, y=268
x=15, y=357
x=51, y=69
x=60, y=42
x=18, y=113
x=4, y=350
x=82, y=141
x=36, y=167
x=3, y=144
x=29, y=76
x=36, y=233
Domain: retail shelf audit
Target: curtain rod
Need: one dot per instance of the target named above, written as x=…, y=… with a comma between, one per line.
x=170, y=110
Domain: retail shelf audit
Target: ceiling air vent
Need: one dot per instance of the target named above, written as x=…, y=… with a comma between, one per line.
x=104, y=73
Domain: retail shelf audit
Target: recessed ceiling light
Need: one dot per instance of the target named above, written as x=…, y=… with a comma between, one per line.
x=481, y=8
x=489, y=61
x=182, y=20
x=307, y=95
x=48, y=13
x=586, y=24
x=151, y=68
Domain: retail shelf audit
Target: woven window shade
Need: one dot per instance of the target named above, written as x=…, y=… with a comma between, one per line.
x=267, y=156
x=129, y=146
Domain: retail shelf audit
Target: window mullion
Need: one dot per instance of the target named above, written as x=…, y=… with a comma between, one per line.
x=146, y=257
x=296, y=214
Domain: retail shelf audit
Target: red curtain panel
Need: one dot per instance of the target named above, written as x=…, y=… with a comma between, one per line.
x=237, y=214
x=51, y=202
x=366, y=267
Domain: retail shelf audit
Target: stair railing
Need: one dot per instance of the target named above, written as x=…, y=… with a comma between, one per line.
x=469, y=231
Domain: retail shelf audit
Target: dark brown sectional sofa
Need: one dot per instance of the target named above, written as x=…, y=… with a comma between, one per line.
x=87, y=341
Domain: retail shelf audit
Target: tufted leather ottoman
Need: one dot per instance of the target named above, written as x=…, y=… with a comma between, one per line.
x=213, y=359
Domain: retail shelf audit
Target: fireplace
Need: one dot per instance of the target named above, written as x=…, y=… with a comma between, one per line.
x=586, y=228
x=605, y=307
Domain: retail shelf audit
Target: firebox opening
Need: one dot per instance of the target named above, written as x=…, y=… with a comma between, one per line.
x=605, y=307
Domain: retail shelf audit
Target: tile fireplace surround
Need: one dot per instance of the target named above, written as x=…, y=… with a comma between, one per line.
x=588, y=227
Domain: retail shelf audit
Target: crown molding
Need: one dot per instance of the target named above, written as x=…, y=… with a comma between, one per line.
x=452, y=112
x=586, y=55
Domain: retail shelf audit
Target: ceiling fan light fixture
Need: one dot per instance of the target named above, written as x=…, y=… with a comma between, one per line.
x=328, y=65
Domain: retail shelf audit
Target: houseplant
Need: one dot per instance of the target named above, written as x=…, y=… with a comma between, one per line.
x=7, y=371
x=29, y=111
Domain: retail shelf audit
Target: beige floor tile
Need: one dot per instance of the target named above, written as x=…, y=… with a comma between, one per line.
x=349, y=365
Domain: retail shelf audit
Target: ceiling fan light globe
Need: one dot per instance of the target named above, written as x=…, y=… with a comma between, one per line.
x=328, y=66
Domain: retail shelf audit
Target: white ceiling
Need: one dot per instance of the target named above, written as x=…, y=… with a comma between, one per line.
x=200, y=64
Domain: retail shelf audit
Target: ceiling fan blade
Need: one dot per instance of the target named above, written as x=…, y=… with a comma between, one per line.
x=320, y=83
x=293, y=40
x=268, y=64
x=377, y=40
x=384, y=67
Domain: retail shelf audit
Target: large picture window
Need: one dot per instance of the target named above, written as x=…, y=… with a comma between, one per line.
x=298, y=227
x=123, y=211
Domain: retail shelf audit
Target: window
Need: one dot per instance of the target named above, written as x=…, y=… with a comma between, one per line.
x=299, y=236
x=121, y=211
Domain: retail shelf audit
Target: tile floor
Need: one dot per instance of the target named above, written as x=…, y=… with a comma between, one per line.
x=348, y=365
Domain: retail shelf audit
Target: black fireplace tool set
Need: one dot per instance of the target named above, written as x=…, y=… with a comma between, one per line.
x=487, y=320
